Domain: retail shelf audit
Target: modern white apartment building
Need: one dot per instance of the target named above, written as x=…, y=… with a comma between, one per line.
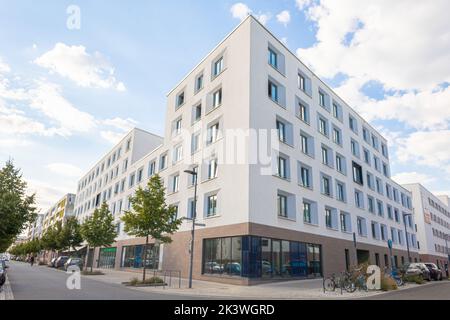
x=432, y=216
x=283, y=207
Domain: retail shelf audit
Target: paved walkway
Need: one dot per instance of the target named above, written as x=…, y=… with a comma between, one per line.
x=297, y=289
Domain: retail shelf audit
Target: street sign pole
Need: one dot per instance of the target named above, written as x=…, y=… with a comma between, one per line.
x=356, y=251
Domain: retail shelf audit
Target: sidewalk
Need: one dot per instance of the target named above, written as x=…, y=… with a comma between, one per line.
x=5, y=291
x=296, y=289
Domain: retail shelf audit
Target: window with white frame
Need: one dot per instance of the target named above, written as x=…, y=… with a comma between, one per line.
x=213, y=132
x=212, y=168
x=305, y=175
x=178, y=153
x=218, y=67
x=211, y=205
x=217, y=98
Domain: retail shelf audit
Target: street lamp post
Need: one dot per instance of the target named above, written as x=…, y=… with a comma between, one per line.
x=406, y=234
x=194, y=215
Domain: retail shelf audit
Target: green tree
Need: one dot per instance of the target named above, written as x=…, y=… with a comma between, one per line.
x=150, y=216
x=99, y=230
x=71, y=233
x=16, y=208
x=49, y=240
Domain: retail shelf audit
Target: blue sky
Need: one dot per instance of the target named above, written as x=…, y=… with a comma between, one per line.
x=67, y=95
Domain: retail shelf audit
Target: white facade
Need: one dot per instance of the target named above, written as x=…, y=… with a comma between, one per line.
x=433, y=221
x=232, y=86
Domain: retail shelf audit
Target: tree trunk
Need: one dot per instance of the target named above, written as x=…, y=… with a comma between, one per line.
x=92, y=260
x=145, y=258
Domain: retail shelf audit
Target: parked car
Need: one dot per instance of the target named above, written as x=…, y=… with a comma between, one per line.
x=3, y=264
x=51, y=263
x=74, y=262
x=59, y=263
x=2, y=275
x=418, y=269
x=435, y=272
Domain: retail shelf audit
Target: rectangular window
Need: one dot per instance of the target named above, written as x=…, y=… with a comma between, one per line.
x=353, y=124
x=178, y=153
x=307, y=214
x=195, y=143
x=140, y=175
x=131, y=181
x=281, y=128
x=301, y=82
x=323, y=127
x=304, y=144
x=273, y=91
x=357, y=173
x=326, y=189
x=337, y=136
x=321, y=99
x=213, y=132
x=340, y=164
x=175, y=183
x=361, y=225
x=282, y=206
x=345, y=222
x=151, y=168
x=198, y=112
x=180, y=99
x=370, y=204
x=325, y=158
x=355, y=148
x=199, y=83
x=217, y=98
x=359, y=199
x=273, y=58
x=163, y=162
x=177, y=127
x=340, y=191
x=212, y=205
x=305, y=177
x=218, y=67
x=282, y=168
x=328, y=218
x=303, y=112
x=212, y=169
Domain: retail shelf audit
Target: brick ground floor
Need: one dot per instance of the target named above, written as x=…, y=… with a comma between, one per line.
x=247, y=253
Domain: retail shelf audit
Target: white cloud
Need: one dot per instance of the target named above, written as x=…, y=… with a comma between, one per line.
x=369, y=41
x=86, y=70
x=4, y=68
x=46, y=194
x=48, y=99
x=302, y=3
x=111, y=136
x=284, y=17
x=119, y=123
x=428, y=109
x=412, y=177
x=427, y=148
x=241, y=11
x=65, y=169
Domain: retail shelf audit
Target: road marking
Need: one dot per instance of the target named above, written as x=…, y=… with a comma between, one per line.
x=6, y=292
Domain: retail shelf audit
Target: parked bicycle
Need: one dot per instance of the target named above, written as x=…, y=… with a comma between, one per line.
x=395, y=275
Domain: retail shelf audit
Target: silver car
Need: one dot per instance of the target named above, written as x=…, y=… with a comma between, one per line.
x=418, y=269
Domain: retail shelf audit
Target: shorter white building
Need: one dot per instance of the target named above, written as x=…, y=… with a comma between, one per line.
x=432, y=216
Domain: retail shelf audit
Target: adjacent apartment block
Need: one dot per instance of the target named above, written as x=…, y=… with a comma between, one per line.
x=58, y=212
x=432, y=216
x=288, y=173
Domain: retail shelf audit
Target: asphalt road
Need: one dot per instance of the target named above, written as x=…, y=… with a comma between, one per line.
x=439, y=290
x=43, y=283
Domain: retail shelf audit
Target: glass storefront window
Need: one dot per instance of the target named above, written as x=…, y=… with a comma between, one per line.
x=107, y=258
x=132, y=257
x=256, y=257
x=266, y=257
